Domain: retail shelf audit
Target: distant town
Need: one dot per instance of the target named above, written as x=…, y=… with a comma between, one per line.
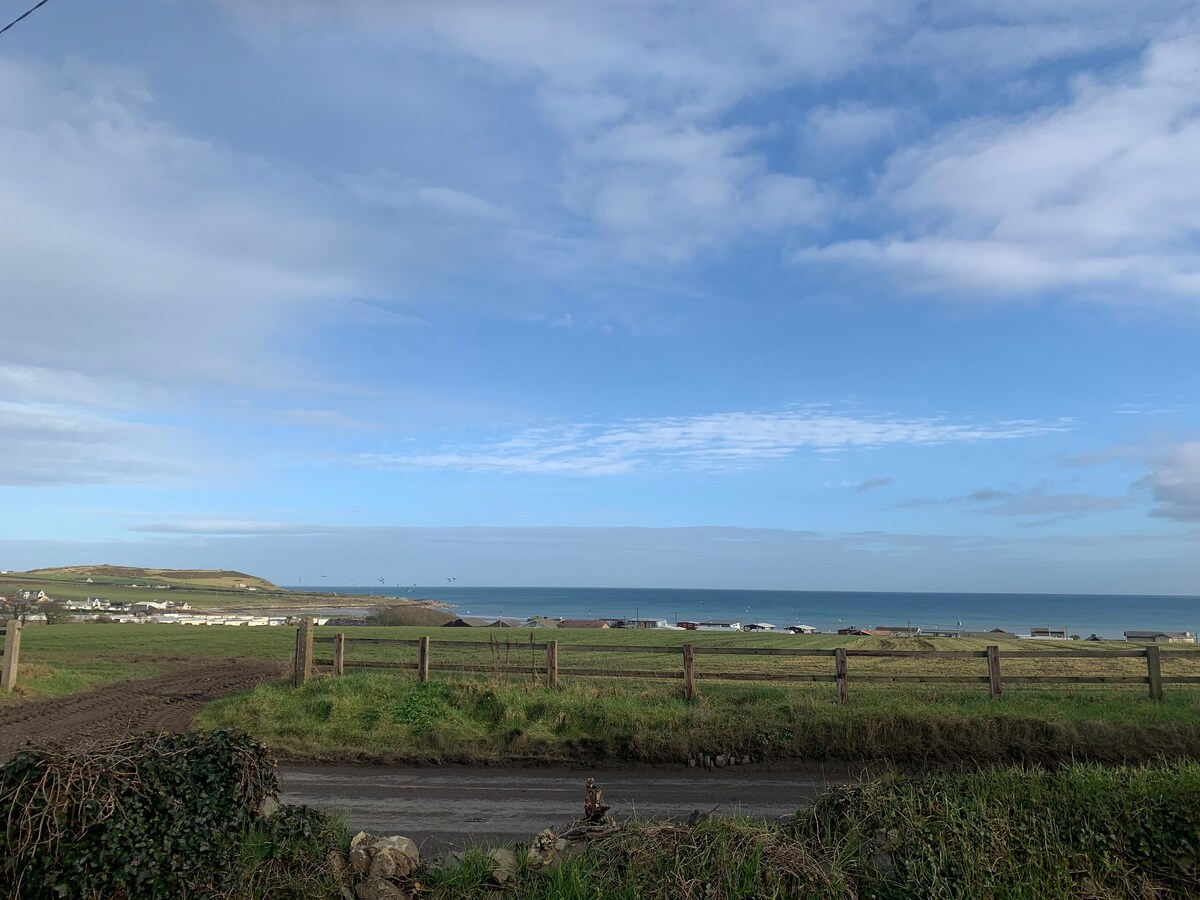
x=36, y=607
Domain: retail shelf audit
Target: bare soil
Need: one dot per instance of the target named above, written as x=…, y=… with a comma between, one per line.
x=166, y=702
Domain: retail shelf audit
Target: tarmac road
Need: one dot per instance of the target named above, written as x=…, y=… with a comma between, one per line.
x=449, y=808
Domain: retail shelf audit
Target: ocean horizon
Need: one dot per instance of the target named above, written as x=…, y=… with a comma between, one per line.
x=1108, y=615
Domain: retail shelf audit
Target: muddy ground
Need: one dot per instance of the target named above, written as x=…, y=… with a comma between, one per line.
x=166, y=702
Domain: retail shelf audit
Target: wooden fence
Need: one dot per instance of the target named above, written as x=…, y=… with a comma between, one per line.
x=10, y=631
x=549, y=668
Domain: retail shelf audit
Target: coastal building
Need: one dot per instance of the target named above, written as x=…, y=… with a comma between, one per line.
x=1048, y=634
x=719, y=625
x=1161, y=637
x=646, y=623
x=687, y=626
x=861, y=632
x=582, y=623
x=897, y=630
x=801, y=629
x=759, y=626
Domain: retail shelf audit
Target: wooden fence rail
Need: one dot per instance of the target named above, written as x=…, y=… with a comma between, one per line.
x=10, y=632
x=549, y=667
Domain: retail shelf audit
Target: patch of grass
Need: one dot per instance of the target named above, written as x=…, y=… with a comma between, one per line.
x=392, y=718
x=1080, y=831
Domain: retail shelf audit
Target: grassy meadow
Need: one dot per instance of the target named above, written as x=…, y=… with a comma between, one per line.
x=506, y=712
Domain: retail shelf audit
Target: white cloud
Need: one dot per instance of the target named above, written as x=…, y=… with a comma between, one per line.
x=851, y=128
x=1098, y=194
x=1174, y=483
x=53, y=444
x=712, y=443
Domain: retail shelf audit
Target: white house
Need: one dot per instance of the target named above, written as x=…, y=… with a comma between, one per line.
x=719, y=625
x=759, y=626
x=646, y=623
x=802, y=629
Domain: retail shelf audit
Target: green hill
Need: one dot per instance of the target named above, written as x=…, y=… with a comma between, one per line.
x=130, y=575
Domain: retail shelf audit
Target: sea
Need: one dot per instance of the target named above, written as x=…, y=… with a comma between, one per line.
x=1108, y=615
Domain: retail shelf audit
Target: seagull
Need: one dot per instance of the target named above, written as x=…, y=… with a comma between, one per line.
x=451, y=579
x=381, y=581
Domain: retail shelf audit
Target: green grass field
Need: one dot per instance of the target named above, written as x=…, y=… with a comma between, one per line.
x=506, y=712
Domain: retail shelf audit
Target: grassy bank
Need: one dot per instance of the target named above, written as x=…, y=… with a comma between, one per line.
x=391, y=718
x=1080, y=831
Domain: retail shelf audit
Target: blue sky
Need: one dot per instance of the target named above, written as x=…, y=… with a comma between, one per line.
x=858, y=295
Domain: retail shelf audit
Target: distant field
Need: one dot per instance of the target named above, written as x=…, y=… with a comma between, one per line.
x=216, y=597
x=58, y=658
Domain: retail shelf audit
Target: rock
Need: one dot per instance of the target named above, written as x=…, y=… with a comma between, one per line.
x=446, y=861
x=707, y=761
x=691, y=762
x=400, y=862
x=720, y=761
x=383, y=865
x=358, y=839
x=360, y=859
x=504, y=865
x=345, y=893
x=543, y=850
x=268, y=807
x=376, y=888
x=745, y=760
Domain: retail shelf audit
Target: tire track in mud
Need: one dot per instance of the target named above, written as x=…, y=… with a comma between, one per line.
x=165, y=702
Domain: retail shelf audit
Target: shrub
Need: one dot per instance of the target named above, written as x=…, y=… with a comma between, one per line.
x=159, y=816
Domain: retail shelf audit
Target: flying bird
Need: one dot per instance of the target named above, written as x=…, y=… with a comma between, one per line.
x=381, y=581
x=452, y=579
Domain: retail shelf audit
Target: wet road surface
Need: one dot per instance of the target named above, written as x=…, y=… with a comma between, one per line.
x=449, y=808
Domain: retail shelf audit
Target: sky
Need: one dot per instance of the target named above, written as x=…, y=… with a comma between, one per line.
x=859, y=294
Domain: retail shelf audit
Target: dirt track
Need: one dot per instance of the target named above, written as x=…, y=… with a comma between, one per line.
x=166, y=702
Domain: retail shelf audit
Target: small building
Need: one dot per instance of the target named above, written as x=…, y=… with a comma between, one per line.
x=540, y=622
x=719, y=625
x=801, y=629
x=1160, y=637
x=855, y=631
x=758, y=626
x=147, y=606
x=1048, y=634
x=583, y=623
x=646, y=623
x=687, y=626
x=469, y=622
x=1093, y=637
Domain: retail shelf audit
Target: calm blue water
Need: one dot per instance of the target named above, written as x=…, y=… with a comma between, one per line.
x=1107, y=615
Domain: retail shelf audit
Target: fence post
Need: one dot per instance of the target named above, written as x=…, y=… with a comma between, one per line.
x=839, y=663
x=339, y=653
x=689, y=674
x=993, y=663
x=12, y=652
x=552, y=663
x=423, y=659
x=1154, y=672
x=304, y=652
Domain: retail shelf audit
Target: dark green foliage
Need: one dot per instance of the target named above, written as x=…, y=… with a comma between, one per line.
x=1079, y=831
x=288, y=856
x=157, y=816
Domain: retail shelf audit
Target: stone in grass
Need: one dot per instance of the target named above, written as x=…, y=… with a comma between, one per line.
x=376, y=888
x=504, y=865
x=400, y=854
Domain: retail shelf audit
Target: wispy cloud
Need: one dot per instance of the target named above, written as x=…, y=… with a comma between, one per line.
x=715, y=442
x=231, y=528
x=1174, y=483
x=871, y=484
x=1037, y=501
x=53, y=444
x=1096, y=194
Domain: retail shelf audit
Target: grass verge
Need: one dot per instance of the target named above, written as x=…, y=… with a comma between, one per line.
x=392, y=718
x=1080, y=831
